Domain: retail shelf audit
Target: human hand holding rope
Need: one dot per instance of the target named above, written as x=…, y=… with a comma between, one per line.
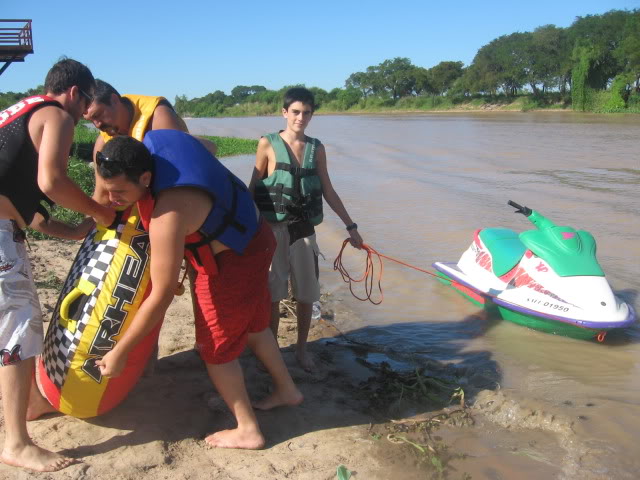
x=367, y=276
x=356, y=239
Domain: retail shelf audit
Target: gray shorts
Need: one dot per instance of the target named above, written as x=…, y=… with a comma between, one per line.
x=300, y=261
x=21, y=330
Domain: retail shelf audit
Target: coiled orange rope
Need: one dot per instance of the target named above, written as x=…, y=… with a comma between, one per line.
x=368, y=275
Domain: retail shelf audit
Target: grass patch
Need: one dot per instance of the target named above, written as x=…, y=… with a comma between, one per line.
x=50, y=281
x=84, y=138
x=229, y=146
x=82, y=174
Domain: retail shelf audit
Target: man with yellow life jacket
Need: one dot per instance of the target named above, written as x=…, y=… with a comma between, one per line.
x=35, y=139
x=193, y=206
x=289, y=182
x=134, y=115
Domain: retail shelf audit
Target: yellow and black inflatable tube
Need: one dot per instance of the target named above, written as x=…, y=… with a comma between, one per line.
x=107, y=282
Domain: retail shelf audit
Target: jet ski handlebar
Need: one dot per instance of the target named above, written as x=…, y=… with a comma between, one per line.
x=526, y=211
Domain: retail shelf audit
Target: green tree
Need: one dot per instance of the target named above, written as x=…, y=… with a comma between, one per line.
x=464, y=85
x=443, y=76
x=397, y=77
x=320, y=95
x=362, y=81
x=348, y=97
x=583, y=57
x=485, y=72
x=270, y=97
x=628, y=52
x=548, y=58
x=502, y=64
x=602, y=35
x=333, y=94
x=423, y=85
x=180, y=104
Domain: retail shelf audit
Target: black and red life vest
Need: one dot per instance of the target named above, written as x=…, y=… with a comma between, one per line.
x=19, y=158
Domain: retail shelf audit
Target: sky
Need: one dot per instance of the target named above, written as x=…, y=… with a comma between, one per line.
x=195, y=47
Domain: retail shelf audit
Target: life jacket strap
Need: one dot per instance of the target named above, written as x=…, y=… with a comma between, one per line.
x=228, y=220
x=296, y=171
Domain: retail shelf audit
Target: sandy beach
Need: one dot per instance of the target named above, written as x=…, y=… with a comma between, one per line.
x=354, y=414
x=158, y=431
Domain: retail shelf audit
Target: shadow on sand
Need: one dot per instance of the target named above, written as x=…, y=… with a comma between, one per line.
x=178, y=403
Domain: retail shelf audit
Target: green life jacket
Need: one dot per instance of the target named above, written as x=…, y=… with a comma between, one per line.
x=291, y=194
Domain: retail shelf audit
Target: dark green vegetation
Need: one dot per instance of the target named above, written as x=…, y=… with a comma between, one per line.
x=433, y=391
x=81, y=172
x=9, y=98
x=593, y=65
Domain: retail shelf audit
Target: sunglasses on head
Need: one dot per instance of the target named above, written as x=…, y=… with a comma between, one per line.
x=101, y=158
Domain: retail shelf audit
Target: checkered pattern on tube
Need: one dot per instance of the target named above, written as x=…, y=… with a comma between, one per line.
x=92, y=264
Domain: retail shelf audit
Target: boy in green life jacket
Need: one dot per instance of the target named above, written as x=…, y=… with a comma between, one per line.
x=289, y=181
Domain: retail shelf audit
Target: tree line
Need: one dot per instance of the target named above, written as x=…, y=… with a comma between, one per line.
x=594, y=65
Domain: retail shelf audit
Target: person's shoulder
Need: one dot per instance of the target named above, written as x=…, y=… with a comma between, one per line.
x=51, y=109
x=164, y=109
x=166, y=106
x=264, y=153
x=51, y=114
x=163, y=102
x=263, y=141
x=270, y=137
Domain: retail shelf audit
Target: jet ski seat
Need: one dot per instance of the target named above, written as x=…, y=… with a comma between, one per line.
x=505, y=247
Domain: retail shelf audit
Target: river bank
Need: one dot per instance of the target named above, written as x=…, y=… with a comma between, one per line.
x=472, y=107
x=412, y=106
x=377, y=414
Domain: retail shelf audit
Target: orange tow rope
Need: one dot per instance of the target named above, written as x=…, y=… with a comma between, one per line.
x=368, y=275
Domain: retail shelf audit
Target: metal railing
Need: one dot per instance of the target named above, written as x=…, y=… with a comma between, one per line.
x=12, y=37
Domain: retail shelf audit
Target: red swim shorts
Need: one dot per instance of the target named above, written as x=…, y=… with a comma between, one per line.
x=236, y=301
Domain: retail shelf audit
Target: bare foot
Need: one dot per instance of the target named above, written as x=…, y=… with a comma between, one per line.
x=280, y=398
x=38, y=406
x=305, y=360
x=36, y=458
x=248, y=440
